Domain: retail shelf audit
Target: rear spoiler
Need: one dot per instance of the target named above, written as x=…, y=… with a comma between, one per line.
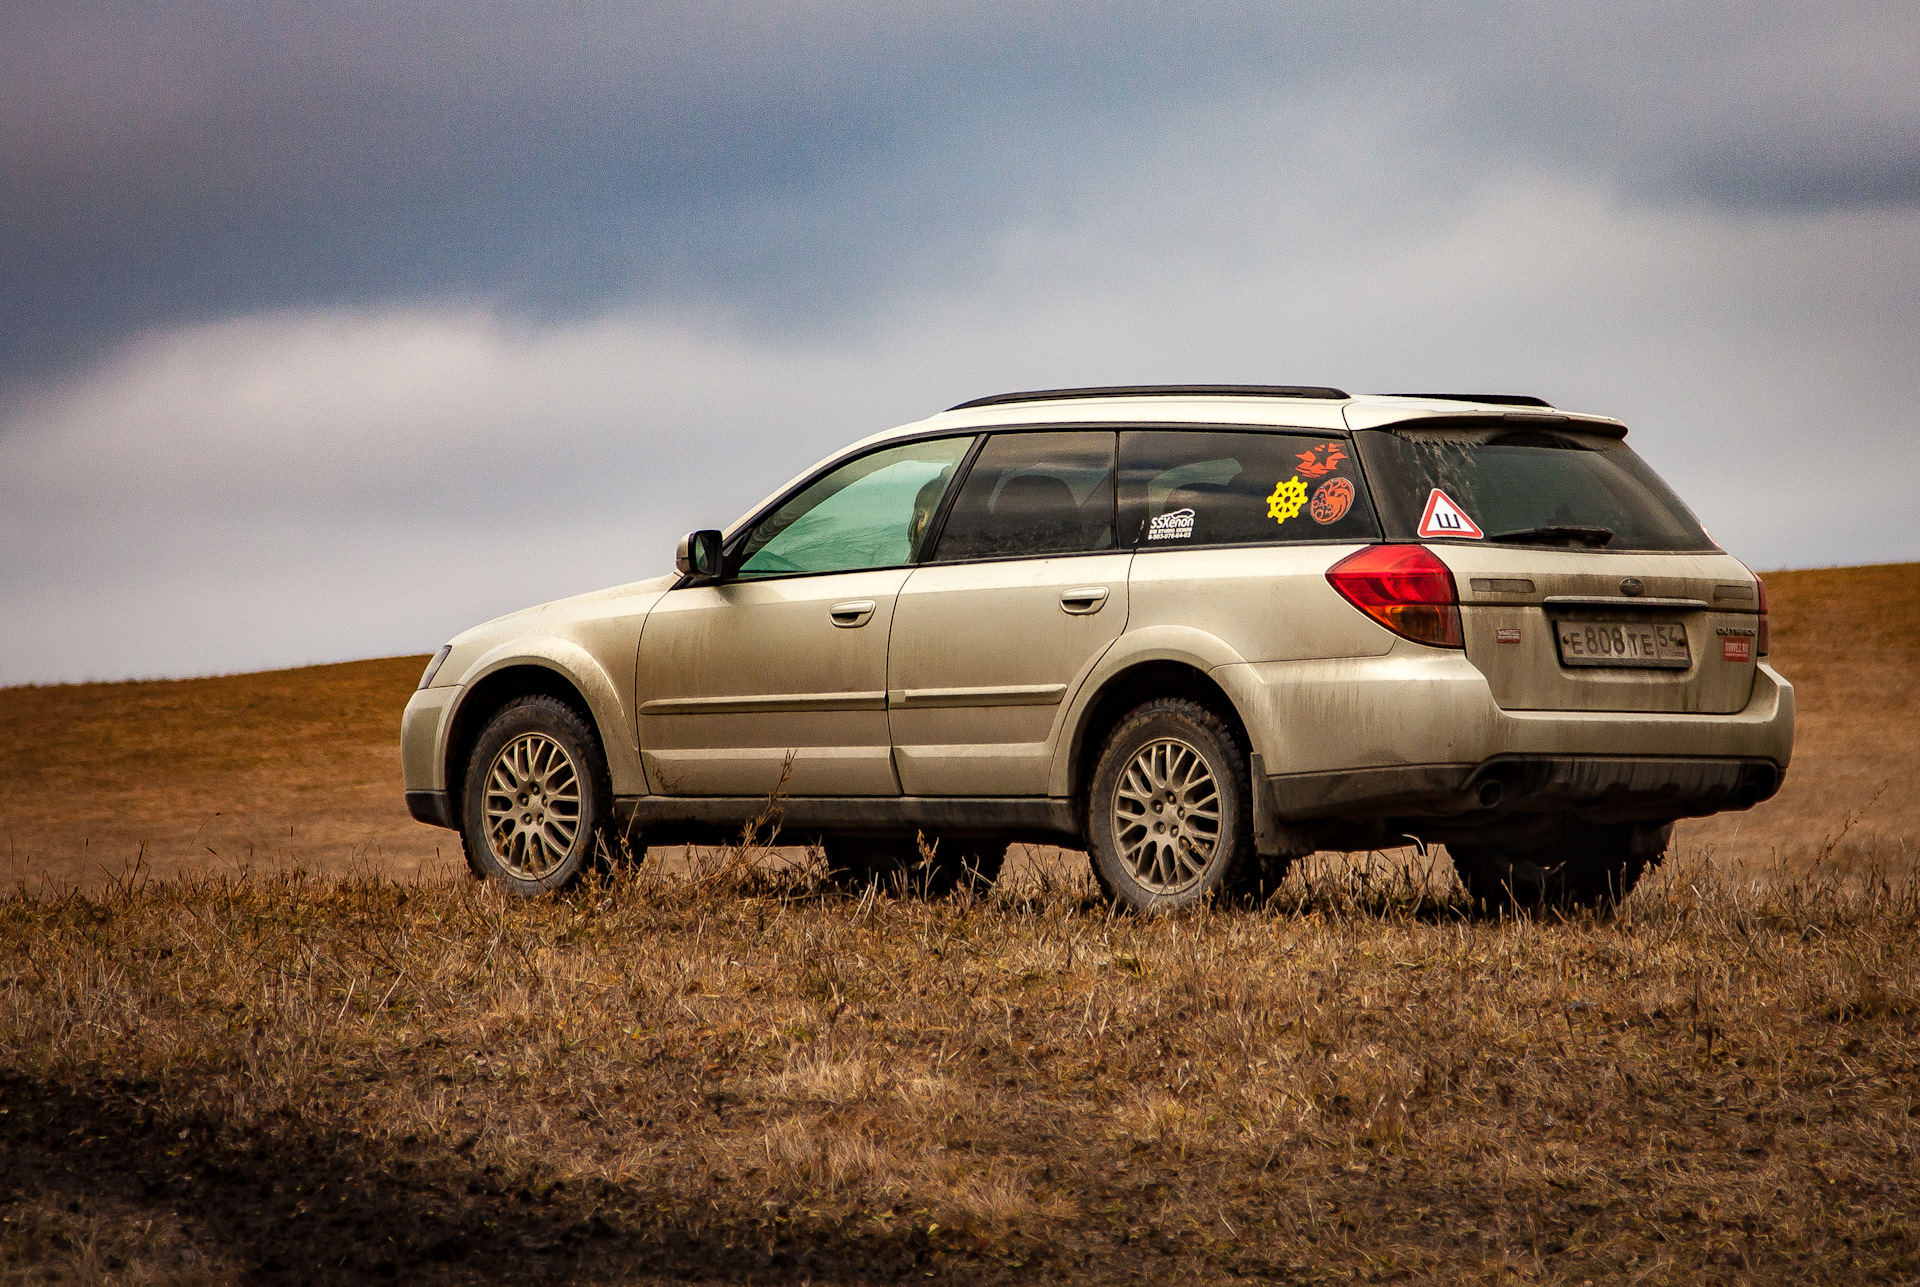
x=1360, y=416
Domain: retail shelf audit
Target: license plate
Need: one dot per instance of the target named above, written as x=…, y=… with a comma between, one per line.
x=1658, y=644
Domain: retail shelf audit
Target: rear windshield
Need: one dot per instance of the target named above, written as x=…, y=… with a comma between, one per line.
x=1523, y=486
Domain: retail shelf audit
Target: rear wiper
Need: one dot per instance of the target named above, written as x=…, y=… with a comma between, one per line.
x=1592, y=536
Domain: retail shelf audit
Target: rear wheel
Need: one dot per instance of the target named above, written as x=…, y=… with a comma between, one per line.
x=1170, y=811
x=1577, y=866
x=537, y=802
x=854, y=862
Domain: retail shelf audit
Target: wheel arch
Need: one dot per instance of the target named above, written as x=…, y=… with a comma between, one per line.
x=1142, y=680
x=586, y=689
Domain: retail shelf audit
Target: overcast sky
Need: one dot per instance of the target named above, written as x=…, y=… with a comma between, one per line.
x=328, y=329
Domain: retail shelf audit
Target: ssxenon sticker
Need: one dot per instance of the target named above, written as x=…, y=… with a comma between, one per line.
x=1175, y=525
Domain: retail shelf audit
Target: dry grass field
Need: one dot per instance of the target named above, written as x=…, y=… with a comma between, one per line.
x=296, y=1045
x=301, y=768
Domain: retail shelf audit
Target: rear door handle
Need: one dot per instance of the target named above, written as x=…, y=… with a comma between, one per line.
x=1084, y=600
x=849, y=615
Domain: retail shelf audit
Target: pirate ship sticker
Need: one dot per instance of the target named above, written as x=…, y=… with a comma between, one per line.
x=1287, y=499
x=1321, y=459
x=1331, y=501
x=1444, y=518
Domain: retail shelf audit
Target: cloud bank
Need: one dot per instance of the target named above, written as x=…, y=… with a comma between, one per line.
x=325, y=332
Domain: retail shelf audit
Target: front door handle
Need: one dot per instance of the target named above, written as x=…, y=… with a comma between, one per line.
x=849, y=615
x=1084, y=600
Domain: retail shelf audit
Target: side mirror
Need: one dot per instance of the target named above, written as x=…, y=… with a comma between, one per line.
x=698, y=554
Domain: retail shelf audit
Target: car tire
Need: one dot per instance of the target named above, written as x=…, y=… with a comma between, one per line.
x=1170, y=810
x=854, y=862
x=537, y=805
x=1579, y=866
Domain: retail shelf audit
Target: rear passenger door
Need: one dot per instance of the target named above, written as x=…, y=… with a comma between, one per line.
x=1023, y=593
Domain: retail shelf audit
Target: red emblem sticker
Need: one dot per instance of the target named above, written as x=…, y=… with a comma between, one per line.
x=1331, y=501
x=1444, y=518
x=1507, y=634
x=1323, y=459
x=1735, y=648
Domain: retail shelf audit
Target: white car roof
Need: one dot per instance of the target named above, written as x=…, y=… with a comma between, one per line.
x=1294, y=407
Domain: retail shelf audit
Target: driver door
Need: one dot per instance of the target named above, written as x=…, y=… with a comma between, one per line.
x=787, y=655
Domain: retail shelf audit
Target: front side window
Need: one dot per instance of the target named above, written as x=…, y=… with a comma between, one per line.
x=1181, y=488
x=1034, y=493
x=873, y=512
x=1526, y=486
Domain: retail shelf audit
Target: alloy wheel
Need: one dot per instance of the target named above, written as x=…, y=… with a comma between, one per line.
x=532, y=806
x=1166, y=816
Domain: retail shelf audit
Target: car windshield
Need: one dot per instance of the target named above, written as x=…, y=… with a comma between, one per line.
x=1523, y=486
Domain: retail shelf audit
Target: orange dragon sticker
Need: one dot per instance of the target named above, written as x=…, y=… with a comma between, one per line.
x=1331, y=501
x=1322, y=459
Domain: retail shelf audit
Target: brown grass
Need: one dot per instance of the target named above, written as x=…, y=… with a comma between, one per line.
x=1849, y=640
x=261, y=1057
x=283, y=769
x=739, y=1075
x=301, y=768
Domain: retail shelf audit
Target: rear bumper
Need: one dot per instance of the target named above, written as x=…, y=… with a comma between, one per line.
x=1416, y=733
x=1596, y=788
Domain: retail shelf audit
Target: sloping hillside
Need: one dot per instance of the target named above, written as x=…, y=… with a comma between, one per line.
x=301, y=767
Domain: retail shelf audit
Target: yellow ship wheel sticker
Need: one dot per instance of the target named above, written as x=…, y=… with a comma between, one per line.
x=1287, y=499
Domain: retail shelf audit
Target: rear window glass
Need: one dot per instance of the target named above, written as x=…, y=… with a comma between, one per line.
x=1212, y=487
x=1034, y=493
x=1524, y=486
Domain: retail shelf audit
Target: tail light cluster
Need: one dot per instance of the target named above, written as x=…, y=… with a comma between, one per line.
x=1411, y=592
x=1761, y=634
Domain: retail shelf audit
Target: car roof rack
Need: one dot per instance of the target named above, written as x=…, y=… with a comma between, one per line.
x=1494, y=399
x=1314, y=391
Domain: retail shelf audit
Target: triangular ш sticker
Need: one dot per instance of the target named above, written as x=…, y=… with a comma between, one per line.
x=1444, y=518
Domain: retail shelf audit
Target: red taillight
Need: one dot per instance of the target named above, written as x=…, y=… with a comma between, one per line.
x=1405, y=588
x=1760, y=642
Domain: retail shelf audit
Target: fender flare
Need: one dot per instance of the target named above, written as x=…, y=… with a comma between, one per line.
x=1180, y=645
x=612, y=718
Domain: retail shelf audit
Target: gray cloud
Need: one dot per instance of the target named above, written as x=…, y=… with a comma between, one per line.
x=799, y=163
x=326, y=330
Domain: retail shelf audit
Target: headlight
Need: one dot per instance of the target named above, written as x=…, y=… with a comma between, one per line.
x=433, y=667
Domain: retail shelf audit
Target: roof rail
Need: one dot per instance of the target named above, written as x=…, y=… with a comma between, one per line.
x=1493, y=399
x=1318, y=392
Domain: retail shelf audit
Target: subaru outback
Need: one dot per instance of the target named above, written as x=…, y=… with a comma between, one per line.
x=1194, y=631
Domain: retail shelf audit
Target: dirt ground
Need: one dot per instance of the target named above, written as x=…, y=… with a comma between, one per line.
x=301, y=768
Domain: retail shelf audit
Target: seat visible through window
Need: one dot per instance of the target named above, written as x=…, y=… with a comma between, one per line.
x=1034, y=493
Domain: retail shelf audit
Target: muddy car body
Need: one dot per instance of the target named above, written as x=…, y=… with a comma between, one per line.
x=1195, y=631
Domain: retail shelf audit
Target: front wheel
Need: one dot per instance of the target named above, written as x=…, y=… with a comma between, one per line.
x=1170, y=811
x=537, y=800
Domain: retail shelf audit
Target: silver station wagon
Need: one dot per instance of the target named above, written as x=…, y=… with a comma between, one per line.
x=1195, y=631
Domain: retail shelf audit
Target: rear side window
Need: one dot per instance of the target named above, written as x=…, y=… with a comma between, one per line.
x=1212, y=487
x=1524, y=486
x=1033, y=493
